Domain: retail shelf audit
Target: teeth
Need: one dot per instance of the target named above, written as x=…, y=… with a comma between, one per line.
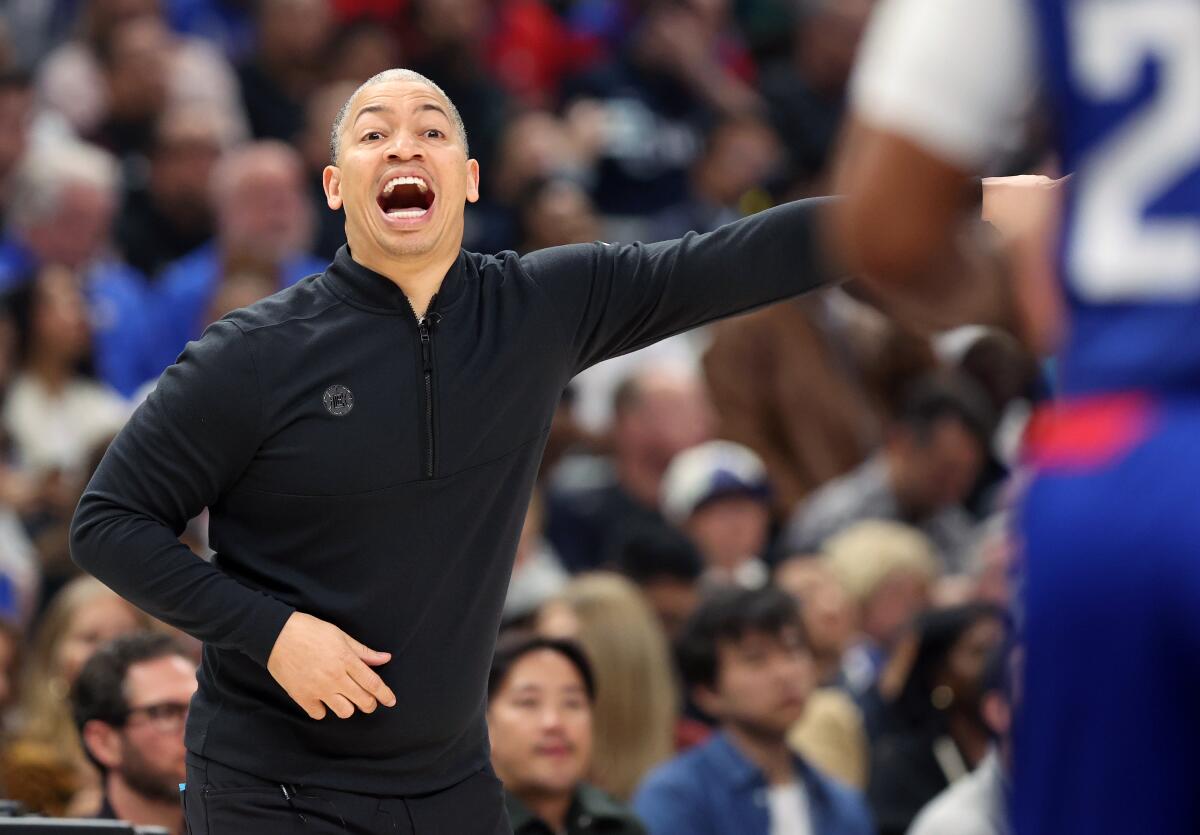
x=406, y=213
x=405, y=181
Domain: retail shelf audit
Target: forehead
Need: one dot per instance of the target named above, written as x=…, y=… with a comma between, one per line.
x=543, y=668
x=164, y=677
x=400, y=96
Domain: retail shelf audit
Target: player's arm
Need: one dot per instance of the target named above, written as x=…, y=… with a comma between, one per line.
x=941, y=88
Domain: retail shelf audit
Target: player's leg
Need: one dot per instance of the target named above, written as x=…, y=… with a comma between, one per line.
x=1107, y=725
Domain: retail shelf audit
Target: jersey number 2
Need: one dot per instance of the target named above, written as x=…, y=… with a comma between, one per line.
x=1118, y=253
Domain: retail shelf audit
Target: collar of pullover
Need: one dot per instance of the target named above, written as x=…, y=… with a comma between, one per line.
x=367, y=288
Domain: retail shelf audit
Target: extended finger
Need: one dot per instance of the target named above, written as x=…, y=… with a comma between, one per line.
x=370, y=681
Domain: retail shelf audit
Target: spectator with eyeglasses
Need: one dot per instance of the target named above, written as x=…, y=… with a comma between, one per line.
x=130, y=702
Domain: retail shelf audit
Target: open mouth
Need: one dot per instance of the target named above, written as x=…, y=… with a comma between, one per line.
x=406, y=198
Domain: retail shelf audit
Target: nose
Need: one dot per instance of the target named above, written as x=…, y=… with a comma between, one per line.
x=404, y=146
x=551, y=718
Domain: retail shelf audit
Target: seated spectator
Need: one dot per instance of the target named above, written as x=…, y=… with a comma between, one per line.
x=171, y=213
x=929, y=463
x=63, y=201
x=537, y=573
x=130, y=702
x=636, y=712
x=746, y=663
x=666, y=566
x=540, y=698
x=887, y=569
x=978, y=804
x=925, y=729
x=71, y=79
x=56, y=411
x=830, y=734
x=44, y=766
x=717, y=493
x=556, y=212
x=808, y=384
x=659, y=412
x=262, y=215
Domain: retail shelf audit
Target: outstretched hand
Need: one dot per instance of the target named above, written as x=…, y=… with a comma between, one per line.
x=321, y=667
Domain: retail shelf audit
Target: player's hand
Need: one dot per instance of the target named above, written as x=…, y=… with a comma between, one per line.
x=321, y=667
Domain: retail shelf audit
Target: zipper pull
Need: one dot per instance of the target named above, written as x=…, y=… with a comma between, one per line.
x=427, y=363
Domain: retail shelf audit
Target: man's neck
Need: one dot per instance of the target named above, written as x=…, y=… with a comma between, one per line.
x=140, y=810
x=770, y=753
x=550, y=808
x=419, y=277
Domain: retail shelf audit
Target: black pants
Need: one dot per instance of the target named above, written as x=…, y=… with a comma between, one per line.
x=223, y=801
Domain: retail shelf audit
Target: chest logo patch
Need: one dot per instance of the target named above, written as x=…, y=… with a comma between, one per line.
x=338, y=400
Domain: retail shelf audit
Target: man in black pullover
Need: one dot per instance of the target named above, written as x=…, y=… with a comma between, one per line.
x=366, y=443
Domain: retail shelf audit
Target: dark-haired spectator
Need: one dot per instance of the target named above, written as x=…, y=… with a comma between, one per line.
x=71, y=80
x=718, y=494
x=170, y=213
x=806, y=92
x=978, y=804
x=666, y=566
x=541, y=692
x=359, y=49
x=555, y=212
x=262, y=215
x=727, y=181
x=64, y=197
x=805, y=384
x=926, y=728
x=134, y=62
x=658, y=413
x=286, y=66
x=313, y=144
x=931, y=458
x=745, y=660
x=129, y=703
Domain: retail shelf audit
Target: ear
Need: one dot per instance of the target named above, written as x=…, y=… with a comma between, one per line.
x=472, y=181
x=103, y=741
x=331, y=180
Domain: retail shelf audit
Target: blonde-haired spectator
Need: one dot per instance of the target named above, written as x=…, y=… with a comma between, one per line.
x=637, y=701
x=44, y=766
x=888, y=569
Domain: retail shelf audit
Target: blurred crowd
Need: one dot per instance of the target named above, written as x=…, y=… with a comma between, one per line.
x=767, y=564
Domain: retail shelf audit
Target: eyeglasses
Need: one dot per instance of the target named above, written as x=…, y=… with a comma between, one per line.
x=163, y=716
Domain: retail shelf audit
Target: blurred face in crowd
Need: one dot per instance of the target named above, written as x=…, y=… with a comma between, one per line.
x=138, y=68
x=534, y=145
x=729, y=530
x=540, y=724
x=97, y=622
x=827, y=610
x=188, y=146
x=741, y=156
x=77, y=230
x=401, y=129
x=893, y=604
x=560, y=214
x=16, y=112
x=262, y=211
x=940, y=469
x=966, y=661
x=147, y=752
x=61, y=330
x=293, y=31
x=673, y=600
x=670, y=413
x=763, y=682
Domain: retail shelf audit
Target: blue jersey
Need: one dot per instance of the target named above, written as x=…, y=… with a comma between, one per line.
x=1122, y=81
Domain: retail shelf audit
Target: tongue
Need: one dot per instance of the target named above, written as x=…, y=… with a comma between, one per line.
x=405, y=197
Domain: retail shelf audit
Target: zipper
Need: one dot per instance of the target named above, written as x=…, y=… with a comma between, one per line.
x=425, y=325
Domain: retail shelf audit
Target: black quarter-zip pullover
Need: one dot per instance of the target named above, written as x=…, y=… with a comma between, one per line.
x=373, y=469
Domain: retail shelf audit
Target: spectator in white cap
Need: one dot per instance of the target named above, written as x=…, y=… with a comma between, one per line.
x=718, y=494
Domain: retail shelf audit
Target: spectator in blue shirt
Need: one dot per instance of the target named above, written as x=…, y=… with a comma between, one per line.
x=745, y=660
x=64, y=196
x=263, y=216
